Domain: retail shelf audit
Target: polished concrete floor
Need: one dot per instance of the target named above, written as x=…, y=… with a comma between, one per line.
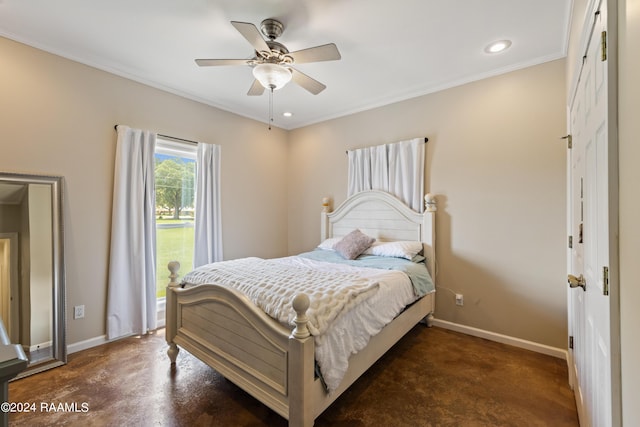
x=432, y=377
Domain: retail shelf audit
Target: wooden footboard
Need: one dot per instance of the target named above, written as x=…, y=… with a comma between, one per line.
x=224, y=329
x=227, y=331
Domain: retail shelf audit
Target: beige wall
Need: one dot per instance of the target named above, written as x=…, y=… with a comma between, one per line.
x=497, y=166
x=494, y=157
x=494, y=161
x=629, y=129
x=57, y=118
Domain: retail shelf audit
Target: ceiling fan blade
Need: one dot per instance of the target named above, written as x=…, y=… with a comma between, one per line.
x=306, y=82
x=256, y=89
x=214, y=62
x=326, y=52
x=253, y=36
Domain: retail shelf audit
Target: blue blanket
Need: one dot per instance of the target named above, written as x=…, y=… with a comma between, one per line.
x=417, y=271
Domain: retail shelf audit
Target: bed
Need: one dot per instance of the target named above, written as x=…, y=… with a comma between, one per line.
x=277, y=364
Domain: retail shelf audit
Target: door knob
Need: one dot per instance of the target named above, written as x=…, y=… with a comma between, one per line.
x=574, y=281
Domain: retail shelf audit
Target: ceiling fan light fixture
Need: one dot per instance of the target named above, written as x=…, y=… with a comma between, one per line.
x=272, y=76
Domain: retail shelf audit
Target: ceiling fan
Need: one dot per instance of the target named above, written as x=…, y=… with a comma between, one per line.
x=273, y=64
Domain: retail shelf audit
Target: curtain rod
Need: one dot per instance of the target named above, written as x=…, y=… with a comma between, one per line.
x=188, y=141
x=425, y=141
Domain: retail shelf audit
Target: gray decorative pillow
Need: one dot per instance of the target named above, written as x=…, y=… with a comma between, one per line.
x=353, y=244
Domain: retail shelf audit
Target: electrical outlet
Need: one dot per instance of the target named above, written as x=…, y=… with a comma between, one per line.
x=78, y=312
x=459, y=299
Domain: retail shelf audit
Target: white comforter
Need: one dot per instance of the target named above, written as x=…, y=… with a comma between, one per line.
x=348, y=304
x=351, y=331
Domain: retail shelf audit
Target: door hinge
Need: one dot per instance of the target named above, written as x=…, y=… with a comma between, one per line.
x=571, y=342
x=570, y=242
x=603, y=44
x=569, y=140
x=605, y=280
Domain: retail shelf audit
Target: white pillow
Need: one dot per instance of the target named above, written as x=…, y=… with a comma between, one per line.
x=329, y=243
x=401, y=249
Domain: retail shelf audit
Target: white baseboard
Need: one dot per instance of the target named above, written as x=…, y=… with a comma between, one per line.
x=491, y=336
x=504, y=339
x=40, y=346
x=96, y=341
x=83, y=345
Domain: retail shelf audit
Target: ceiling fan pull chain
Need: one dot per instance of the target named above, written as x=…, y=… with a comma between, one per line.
x=270, y=106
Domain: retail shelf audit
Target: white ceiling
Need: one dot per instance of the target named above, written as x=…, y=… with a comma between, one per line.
x=391, y=50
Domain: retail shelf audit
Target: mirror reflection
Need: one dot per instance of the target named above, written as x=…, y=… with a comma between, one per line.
x=31, y=267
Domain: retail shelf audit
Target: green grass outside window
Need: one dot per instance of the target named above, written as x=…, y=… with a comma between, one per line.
x=172, y=244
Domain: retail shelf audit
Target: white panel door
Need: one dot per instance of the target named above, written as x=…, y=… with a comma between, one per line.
x=589, y=316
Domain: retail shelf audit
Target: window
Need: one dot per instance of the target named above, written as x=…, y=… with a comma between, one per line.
x=175, y=176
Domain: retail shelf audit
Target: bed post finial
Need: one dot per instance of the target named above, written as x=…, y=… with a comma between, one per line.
x=326, y=202
x=430, y=202
x=324, y=218
x=301, y=305
x=173, y=267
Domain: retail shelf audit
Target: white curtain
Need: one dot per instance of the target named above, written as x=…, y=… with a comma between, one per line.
x=396, y=168
x=131, y=304
x=208, y=224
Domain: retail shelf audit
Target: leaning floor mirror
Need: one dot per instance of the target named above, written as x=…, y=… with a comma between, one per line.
x=32, y=277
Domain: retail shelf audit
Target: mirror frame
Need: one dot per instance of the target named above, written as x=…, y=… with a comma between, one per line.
x=59, y=345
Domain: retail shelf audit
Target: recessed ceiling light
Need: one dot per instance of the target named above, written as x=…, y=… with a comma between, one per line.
x=498, y=46
x=287, y=114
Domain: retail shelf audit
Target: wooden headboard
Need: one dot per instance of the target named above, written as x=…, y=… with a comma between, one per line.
x=385, y=217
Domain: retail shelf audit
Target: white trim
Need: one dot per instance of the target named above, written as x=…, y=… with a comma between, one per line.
x=86, y=344
x=96, y=341
x=40, y=346
x=504, y=339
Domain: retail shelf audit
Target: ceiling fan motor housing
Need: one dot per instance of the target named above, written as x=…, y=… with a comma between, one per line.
x=277, y=47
